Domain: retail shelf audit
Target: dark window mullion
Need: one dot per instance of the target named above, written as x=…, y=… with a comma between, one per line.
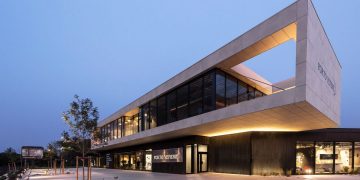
x=176, y=104
x=202, y=93
x=225, y=89
x=237, y=90
x=188, y=100
x=149, y=116
x=214, y=90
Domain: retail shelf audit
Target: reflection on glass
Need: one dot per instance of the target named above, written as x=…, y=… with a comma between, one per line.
x=188, y=159
x=108, y=133
x=343, y=157
x=138, y=160
x=153, y=114
x=148, y=160
x=124, y=161
x=119, y=128
x=203, y=162
x=324, y=157
x=220, y=89
x=304, y=158
x=131, y=125
x=357, y=158
x=195, y=157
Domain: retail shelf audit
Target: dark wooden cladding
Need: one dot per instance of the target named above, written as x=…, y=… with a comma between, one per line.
x=230, y=154
x=273, y=153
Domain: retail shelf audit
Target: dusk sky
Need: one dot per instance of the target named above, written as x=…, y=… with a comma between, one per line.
x=115, y=51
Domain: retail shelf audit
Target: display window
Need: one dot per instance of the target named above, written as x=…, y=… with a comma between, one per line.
x=324, y=152
x=305, y=158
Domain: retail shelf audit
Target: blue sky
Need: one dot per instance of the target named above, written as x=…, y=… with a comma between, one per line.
x=115, y=51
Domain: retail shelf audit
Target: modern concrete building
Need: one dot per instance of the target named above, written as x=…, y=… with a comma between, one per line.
x=219, y=115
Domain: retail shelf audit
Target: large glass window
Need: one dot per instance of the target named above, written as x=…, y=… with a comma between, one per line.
x=209, y=92
x=161, y=115
x=153, y=114
x=148, y=160
x=131, y=125
x=102, y=131
x=182, y=102
x=196, y=98
x=188, y=159
x=242, y=91
x=114, y=129
x=111, y=131
x=171, y=106
x=220, y=89
x=108, y=132
x=138, y=160
x=127, y=161
x=343, y=157
x=357, y=158
x=145, y=117
x=135, y=121
x=258, y=94
x=119, y=126
x=324, y=157
x=231, y=90
x=305, y=156
x=128, y=126
x=251, y=92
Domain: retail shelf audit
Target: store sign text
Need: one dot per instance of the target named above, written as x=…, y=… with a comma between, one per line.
x=168, y=155
x=329, y=82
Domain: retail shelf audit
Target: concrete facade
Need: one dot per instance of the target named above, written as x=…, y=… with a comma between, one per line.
x=311, y=99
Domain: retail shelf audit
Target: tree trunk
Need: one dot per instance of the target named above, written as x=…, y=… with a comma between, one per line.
x=83, y=155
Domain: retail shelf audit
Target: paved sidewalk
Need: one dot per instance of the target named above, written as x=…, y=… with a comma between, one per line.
x=113, y=174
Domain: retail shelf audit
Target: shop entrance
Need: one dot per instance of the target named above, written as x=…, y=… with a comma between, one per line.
x=196, y=158
x=202, y=162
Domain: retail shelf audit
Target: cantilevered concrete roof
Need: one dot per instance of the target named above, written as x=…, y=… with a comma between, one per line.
x=312, y=101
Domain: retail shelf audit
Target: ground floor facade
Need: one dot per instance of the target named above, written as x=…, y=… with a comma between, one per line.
x=326, y=151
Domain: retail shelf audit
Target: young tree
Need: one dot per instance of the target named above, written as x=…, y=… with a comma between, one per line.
x=51, y=152
x=82, y=119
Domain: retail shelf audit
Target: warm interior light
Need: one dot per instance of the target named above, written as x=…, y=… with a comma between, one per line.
x=226, y=132
x=292, y=87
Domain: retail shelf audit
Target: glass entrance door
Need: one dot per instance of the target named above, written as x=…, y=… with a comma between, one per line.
x=202, y=162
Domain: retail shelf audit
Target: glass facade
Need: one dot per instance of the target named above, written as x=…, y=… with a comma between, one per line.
x=161, y=110
x=153, y=114
x=195, y=97
x=171, y=107
x=182, y=102
x=212, y=90
x=343, y=157
x=327, y=157
x=220, y=90
x=131, y=125
x=324, y=157
x=357, y=157
x=137, y=160
x=231, y=91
